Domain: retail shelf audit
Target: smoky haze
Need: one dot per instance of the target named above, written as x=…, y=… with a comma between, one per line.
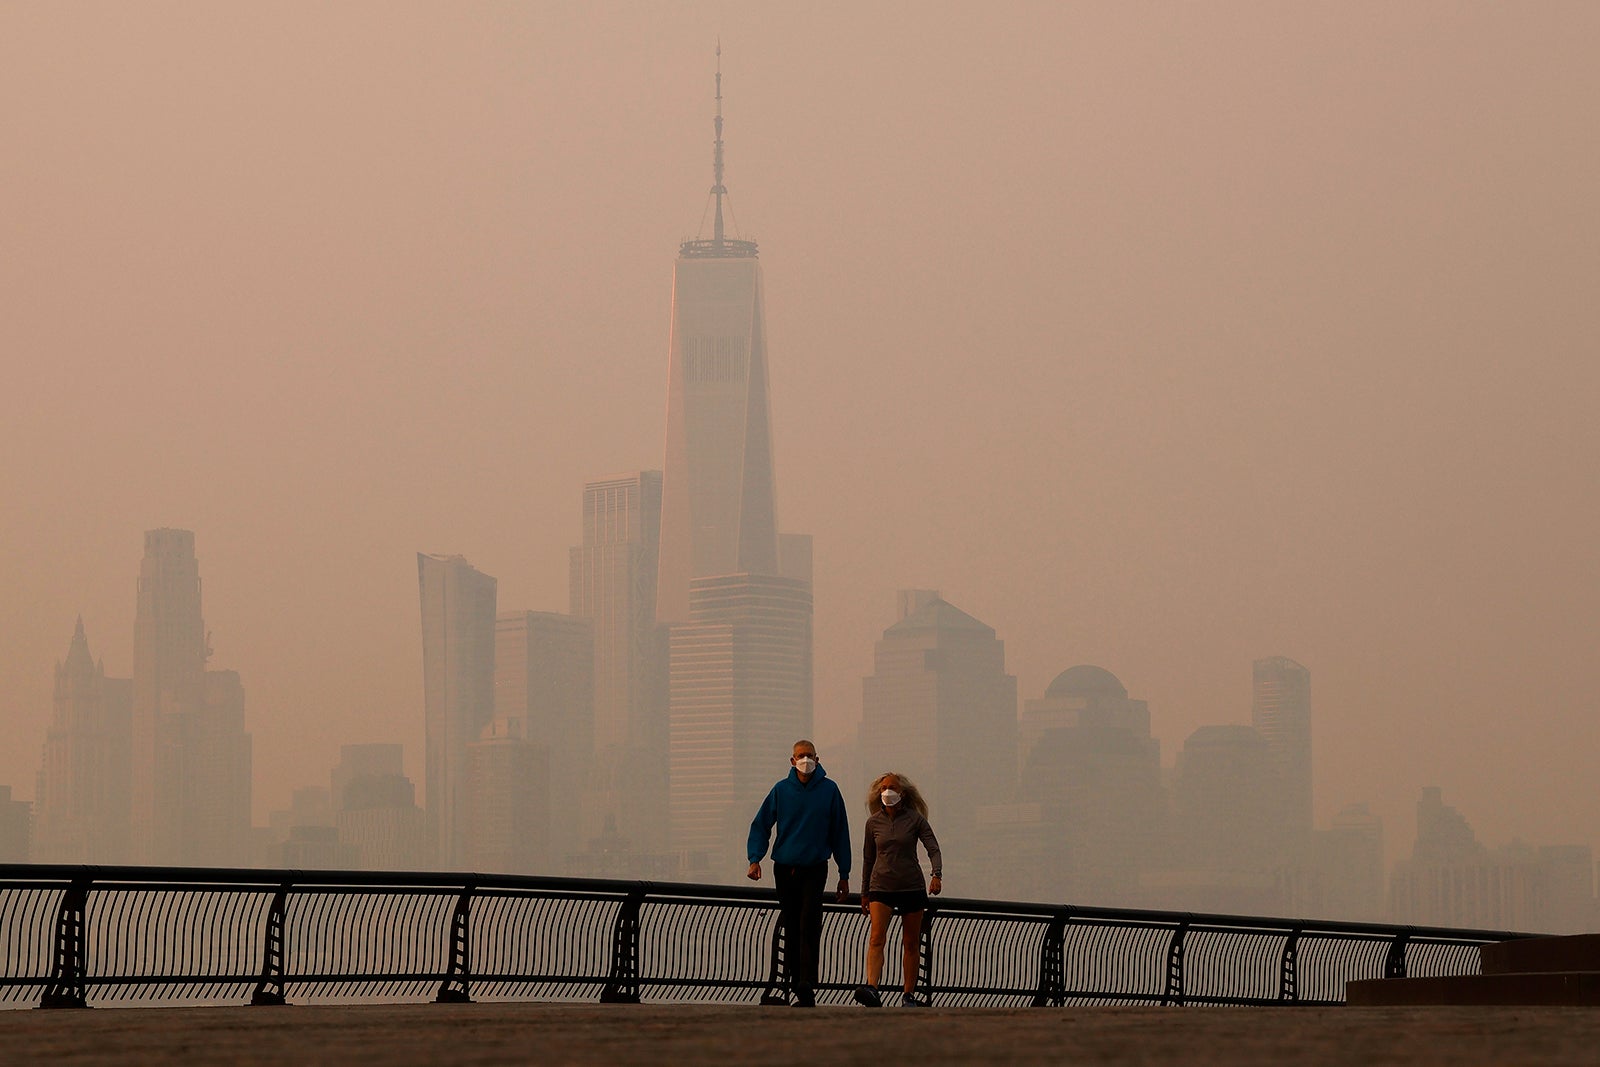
x=1164, y=338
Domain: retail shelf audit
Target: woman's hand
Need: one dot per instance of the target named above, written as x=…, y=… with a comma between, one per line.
x=865, y=910
x=935, y=886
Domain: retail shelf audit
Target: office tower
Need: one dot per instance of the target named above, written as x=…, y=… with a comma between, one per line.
x=1349, y=864
x=544, y=685
x=1451, y=879
x=508, y=801
x=169, y=658
x=613, y=585
x=191, y=759
x=81, y=802
x=740, y=696
x=1089, y=762
x=458, y=620
x=940, y=707
x=1280, y=710
x=1228, y=840
x=375, y=809
x=16, y=827
x=718, y=504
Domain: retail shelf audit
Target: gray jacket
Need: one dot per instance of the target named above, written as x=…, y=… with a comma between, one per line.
x=889, y=852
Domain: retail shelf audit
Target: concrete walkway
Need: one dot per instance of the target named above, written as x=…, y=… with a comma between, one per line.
x=662, y=1035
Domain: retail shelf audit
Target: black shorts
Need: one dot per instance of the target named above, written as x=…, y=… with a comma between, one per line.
x=902, y=903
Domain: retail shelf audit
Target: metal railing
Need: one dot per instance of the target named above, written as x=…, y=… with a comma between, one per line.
x=76, y=936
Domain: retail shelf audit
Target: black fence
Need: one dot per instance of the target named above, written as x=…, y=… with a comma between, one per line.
x=76, y=936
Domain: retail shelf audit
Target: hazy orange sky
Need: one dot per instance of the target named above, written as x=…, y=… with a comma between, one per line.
x=1161, y=337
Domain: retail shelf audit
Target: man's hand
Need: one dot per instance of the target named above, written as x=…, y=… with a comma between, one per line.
x=935, y=886
x=754, y=873
x=844, y=890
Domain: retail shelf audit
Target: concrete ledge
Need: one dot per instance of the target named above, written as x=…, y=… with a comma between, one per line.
x=1534, y=955
x=1574, y=989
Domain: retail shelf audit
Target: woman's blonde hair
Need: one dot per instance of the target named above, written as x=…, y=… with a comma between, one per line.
x=910, y=795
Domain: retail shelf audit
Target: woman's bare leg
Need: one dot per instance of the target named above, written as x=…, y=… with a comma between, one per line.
x=911, y=943
x=876, y=939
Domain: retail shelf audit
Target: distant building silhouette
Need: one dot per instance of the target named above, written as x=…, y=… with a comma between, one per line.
x=1451, y=879
x=719, y=511
x=375, y=809
x=458, y=647
x=940, y=707
x=16, y=826
x=508, y=801
x=82, y=797
x=740, y=696
x=190, y=772
x=1093, y=768
x=1280, y=710
x=1228, y=834
x=1349, y=858
x=544, y=725
x=613, y=584
x=735, y=594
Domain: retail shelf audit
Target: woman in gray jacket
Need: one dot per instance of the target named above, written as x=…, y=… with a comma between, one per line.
x=891, y=880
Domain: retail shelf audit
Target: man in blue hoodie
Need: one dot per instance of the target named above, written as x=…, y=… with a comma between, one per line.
x=809, y=813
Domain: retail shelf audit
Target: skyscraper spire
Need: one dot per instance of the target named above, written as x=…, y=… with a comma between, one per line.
x=718, y=190
x=719, y=245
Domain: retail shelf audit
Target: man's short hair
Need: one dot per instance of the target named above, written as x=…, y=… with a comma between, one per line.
x=806, y=743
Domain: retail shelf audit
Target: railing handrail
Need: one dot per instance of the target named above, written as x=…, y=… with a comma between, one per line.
x=266, y=880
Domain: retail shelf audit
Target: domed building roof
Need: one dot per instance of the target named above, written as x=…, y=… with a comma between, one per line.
x=1086, y=680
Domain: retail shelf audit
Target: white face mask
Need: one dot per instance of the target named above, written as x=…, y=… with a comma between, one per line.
x=890, y=798
x=805, y=764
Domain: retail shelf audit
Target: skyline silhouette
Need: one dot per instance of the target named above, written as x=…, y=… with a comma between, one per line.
x=1272, y=338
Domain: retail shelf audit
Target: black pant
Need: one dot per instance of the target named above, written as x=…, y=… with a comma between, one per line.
x=800, y=906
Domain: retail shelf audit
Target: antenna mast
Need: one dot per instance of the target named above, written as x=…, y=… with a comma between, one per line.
x=718, y=190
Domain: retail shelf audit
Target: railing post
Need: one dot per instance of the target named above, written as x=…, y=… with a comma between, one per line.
x=456, y=987
x=925, y=957
x=1289, y=968
x=778, y=971
x=1394, y=963
x=622, y=986
x=269, y=989
x=1174, y=994
x=67, y=988
x=1052, y=964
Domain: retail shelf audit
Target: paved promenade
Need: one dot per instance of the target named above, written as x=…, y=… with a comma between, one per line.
x=659, y=1035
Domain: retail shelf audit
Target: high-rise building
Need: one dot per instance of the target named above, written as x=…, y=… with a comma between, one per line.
x=508, y=801
x=719, y=501
x=375, y=809
x=191, y=759
x=940, y=707
x=1090, y=764
x=458, y=639
x=16, y=828
x=1280, y=710
x=613, y=585
x=169, y=662
x=81, y=802
x=740, y=697
x=544, y=701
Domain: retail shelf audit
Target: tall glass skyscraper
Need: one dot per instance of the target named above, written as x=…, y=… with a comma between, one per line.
x=190, y=767
x=1280, y=710
x=458, y=635
x=736, y=596
x=613, y=585
x=719, y=501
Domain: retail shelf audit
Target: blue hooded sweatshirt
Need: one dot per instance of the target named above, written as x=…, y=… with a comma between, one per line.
x=811, y=823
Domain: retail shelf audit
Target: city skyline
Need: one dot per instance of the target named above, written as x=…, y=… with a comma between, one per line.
x=1187, y=465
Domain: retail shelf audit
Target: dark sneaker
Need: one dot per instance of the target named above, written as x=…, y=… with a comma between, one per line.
x=804, y=998
x=911, y=1000
x=868, y=997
